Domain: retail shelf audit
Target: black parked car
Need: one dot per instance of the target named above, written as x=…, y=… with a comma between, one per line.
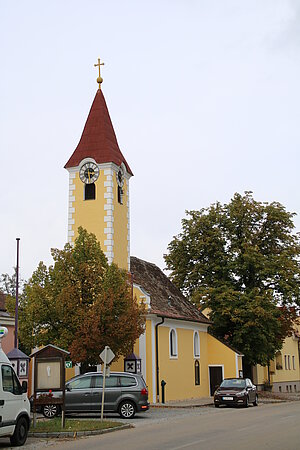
x=125, y=394
x=236, y=391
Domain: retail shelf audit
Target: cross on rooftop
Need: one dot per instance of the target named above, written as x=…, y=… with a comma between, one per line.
x=99, y=79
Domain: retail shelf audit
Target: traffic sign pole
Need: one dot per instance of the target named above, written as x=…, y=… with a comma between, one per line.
x=107, y=355
x=103, y=387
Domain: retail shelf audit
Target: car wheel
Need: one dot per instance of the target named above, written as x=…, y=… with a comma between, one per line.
x=127, y=409
x=247, y=402
x=50, y=411
x=20, y=434
x=216, y=406
x=255, y=403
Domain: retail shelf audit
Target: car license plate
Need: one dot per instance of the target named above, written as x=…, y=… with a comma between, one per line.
x=227, y=398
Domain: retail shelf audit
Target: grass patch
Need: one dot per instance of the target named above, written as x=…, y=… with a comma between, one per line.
x=54, y=425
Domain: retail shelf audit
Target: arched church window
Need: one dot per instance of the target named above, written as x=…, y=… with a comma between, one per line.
x=197, y=373
x=196, y=345
x=89, y=191
x=173, y=343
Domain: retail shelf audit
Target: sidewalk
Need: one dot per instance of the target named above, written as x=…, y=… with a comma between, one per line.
x=189, y=403
x=278, y=396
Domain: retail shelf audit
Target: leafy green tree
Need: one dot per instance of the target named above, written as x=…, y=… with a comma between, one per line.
x=81, y=303
x=241, y=260
x=114, y=319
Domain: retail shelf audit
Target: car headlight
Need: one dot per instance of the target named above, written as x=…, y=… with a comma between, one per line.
x=241, y=394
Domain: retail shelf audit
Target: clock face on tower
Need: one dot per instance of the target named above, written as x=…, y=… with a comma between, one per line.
x=89, y=173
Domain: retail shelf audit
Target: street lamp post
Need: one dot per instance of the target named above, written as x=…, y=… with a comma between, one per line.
x=17, y=295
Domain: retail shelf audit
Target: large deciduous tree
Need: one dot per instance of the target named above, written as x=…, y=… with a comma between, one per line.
x=81, y=303
x=241, y=260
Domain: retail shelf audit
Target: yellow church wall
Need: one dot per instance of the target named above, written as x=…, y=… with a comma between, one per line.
x=118, y=365
x=179, y=373
x=120, y=227
x=220, y=354
x=89, y=214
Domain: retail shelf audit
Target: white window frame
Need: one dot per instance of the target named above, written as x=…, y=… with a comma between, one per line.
x=174, y=345
x=196, y=340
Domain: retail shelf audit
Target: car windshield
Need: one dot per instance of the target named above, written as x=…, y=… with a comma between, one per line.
x=233, y=384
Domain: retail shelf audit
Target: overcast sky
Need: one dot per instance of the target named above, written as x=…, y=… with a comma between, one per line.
x=203, y=95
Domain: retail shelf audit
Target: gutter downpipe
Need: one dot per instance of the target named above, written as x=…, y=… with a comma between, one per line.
x=157, y=365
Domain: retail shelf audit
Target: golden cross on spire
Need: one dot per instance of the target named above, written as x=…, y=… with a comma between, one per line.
x=99, y=79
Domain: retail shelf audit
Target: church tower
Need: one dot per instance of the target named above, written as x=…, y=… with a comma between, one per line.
x=99, y=185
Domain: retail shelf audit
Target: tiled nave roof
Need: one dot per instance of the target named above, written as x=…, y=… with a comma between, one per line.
x=166, y=299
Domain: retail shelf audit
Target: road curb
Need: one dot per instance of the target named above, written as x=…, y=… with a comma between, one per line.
x=181, y=406
x=261, y=401
x=76, y=434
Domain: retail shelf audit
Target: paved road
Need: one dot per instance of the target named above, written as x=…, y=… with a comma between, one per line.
x=271, y=426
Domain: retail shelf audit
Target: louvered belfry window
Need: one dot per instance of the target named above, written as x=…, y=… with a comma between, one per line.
x=89, y=191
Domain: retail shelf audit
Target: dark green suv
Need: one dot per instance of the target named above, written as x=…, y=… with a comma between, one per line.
x=125, y=394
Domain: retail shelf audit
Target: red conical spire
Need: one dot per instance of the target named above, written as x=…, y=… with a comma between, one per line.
x=98, y=140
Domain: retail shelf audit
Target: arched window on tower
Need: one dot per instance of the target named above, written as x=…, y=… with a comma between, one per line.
x=89, y=191
x=120, y=195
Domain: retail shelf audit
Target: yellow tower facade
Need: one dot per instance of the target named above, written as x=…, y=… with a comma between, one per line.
x=99, y=186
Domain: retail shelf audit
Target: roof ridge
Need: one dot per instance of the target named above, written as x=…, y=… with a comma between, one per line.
x=147, y=262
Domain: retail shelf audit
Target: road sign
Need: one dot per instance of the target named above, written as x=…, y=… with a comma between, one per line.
x=109, y=355
x=68, y=364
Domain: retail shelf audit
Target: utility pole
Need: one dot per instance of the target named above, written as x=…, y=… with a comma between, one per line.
x=17, y=295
